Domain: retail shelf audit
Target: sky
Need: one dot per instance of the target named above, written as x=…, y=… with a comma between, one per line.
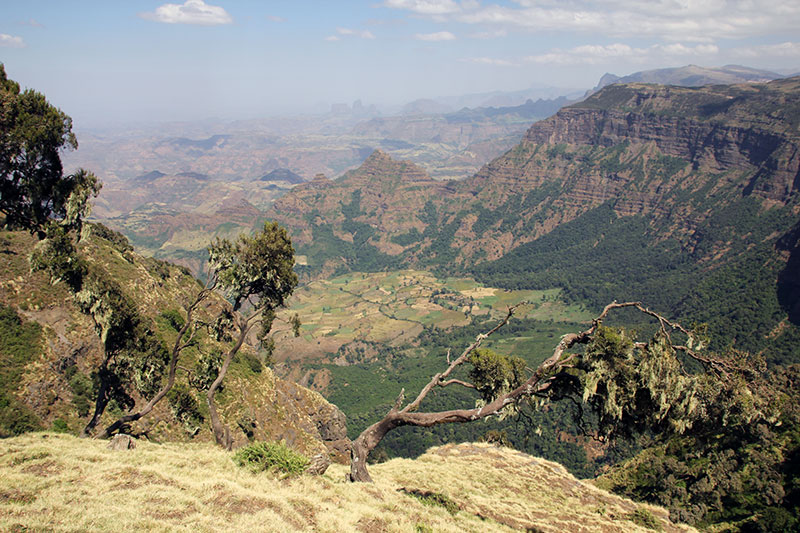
x=108, y=62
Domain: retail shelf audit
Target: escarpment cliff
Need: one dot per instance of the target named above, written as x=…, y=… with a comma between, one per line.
x=640, y=191
x=658, y=151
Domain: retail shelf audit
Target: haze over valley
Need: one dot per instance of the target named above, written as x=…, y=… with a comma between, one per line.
x=400, y=266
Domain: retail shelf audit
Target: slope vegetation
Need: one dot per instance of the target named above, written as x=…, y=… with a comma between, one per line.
x=59, y=483
x=51, y=353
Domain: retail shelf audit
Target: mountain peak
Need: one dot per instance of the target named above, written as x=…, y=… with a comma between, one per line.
x=380, y=167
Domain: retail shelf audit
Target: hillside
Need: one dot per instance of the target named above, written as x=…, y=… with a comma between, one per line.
x=693, y=76
x=50, y=350
x=663, y=194
x=59, y=483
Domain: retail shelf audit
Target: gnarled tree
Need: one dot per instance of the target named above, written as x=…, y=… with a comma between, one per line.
x=628, y=385
x=256, y=273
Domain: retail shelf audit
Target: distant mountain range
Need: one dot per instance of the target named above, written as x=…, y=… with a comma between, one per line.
x=693, y=76
x=659, y=193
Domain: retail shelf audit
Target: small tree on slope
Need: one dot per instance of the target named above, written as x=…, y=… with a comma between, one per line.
x=629, y=385
x=254, y=272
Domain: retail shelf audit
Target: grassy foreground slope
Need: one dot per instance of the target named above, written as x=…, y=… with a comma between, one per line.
x=56, y=482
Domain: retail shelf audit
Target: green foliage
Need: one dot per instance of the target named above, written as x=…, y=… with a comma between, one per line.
x=185, y=408
x=33, y=188
x=274, y=457
x=495, y=374
x=157, y=267
x=434, y=499
x=743, y=471
x=174, y=318
x=57, y=256
x=117, y=239
x=599, y=257
x=60, y=426
x=206, y=370
x=644, y=518
x=139, y=357
x=360, y=254
x=251, y=361
x=20, y=344
x=366, y=391
x=16, y=417
x=259, y=266
x=82, y=390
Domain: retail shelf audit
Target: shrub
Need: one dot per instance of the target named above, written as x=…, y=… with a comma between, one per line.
x=644, y=518
x=174, y=319
x=433, y=499
x=271, y=456
x=185, y=407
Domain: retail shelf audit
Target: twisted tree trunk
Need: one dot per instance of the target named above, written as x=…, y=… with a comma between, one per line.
x=177, y=348
x=222, y=434
x=537, y=384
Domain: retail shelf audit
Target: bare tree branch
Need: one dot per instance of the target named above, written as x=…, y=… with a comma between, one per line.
x=540, y=383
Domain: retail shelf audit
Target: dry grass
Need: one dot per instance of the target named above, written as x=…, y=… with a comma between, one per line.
x=51, y=482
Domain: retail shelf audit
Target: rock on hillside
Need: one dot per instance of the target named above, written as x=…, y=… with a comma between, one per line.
x=52, y=381
x=58, y=483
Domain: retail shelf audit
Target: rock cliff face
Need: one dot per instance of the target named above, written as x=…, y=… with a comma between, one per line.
x=648, y=147
x=645, y=147
x=699, y=178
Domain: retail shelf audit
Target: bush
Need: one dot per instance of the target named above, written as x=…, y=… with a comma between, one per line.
x=271, y=456
x=644, y=518
x=433, y=499
x=185, y=408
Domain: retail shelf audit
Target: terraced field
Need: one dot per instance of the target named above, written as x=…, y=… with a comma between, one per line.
x=393, y=308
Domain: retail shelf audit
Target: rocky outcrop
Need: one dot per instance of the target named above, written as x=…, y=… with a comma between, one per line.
x=274, y=409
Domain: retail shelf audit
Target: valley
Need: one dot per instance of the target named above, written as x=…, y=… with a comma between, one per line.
x=400, y=241
x=348, y=319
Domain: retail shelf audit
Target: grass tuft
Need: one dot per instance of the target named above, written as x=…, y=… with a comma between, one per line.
x=433, y=499
x=271, y=457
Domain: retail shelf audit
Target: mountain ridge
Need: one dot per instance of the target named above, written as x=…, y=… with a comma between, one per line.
x=667, y=166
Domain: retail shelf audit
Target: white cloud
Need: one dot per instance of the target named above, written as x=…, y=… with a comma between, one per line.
x=332, y=38
x=489, y=34
x=489, y=61
x=787, y=49
x=190, y=12
x=593, y=54
x=425, y=7
x=671, y=20
x=11, y=41
x=438, y=36
x=273, y=18
x=364, y=34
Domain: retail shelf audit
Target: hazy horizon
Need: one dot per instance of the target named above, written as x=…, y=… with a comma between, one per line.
x=106, y=63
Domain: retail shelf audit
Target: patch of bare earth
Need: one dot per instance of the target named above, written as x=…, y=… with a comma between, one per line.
x=371, y=525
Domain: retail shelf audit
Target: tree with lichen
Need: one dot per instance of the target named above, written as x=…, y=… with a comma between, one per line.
x=619, y=384
x=256, y=273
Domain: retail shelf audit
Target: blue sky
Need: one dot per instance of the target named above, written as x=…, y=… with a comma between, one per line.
x=107, y=61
